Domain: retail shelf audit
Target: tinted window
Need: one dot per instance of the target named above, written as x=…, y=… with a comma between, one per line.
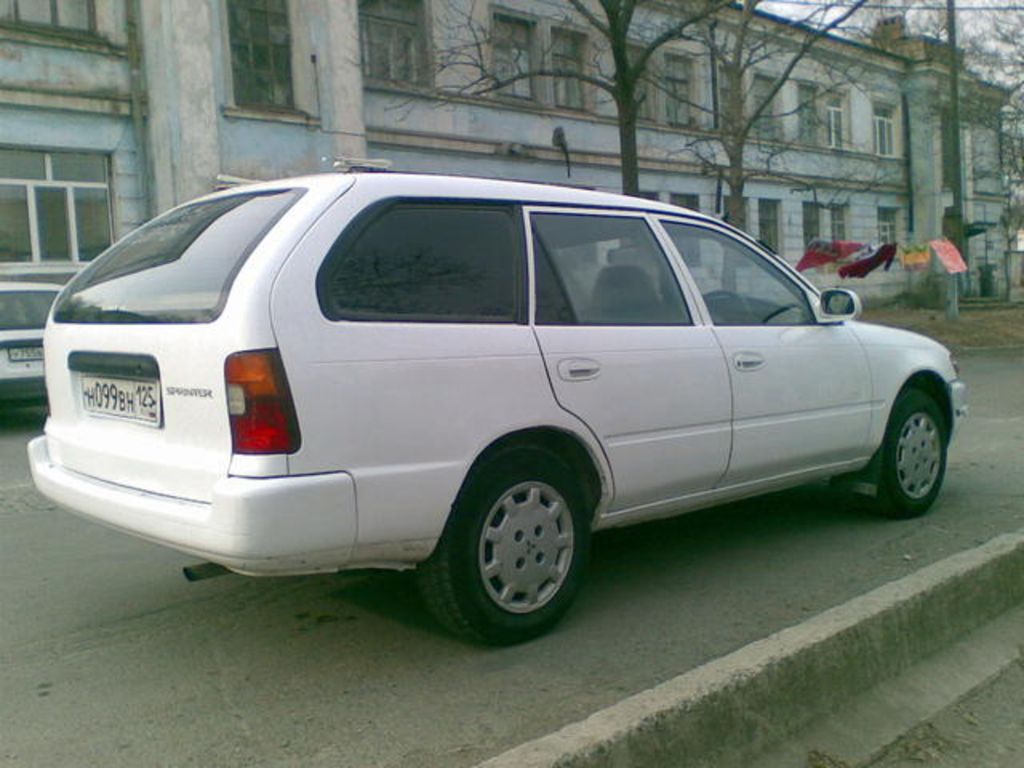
x=22, y=310
x=602, y=270
x=176, y=269
x=425, y=262
x=739, y=286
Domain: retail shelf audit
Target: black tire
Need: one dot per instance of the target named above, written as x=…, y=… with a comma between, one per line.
x=452, y=580
x=913, y=456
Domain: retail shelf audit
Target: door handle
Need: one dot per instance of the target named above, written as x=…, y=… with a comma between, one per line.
x=578, y=369
x=747, y=361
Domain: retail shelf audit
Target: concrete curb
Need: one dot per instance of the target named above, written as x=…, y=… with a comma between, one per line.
x=733, y=707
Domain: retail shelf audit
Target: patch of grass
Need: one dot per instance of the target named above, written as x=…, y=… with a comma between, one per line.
x=976, y=327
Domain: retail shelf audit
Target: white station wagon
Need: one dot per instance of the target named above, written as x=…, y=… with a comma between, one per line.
x=464, y=376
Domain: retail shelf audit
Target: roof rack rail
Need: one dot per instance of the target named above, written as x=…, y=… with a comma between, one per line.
x=361, y=165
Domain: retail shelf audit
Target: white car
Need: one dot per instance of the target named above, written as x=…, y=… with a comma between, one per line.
x=464, y=376
x=23, y=310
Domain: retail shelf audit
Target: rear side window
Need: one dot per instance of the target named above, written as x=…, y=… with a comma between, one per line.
x=176, y=269
x=426, y=262
x=24, y=310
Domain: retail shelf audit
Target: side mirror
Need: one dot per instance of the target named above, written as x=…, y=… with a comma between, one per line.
x=836, y=305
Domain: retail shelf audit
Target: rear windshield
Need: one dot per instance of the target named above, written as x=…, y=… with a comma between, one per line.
x=176, y=269
x=24, y=310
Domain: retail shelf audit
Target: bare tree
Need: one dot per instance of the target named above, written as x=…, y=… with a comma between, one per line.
x=624, y=37
x=753, y=56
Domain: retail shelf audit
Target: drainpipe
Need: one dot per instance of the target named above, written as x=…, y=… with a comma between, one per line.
x=137, y=88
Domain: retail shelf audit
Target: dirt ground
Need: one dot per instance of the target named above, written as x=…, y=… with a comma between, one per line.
x=978, y=326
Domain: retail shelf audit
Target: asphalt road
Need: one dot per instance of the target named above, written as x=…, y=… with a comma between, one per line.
x=109, y=657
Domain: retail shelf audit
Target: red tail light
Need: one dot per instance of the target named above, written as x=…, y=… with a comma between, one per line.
x=260, y=404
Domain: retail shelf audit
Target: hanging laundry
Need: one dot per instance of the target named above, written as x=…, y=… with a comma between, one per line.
x=821, y=252
x=915, y=257
x=948, y=255
x=884, y=254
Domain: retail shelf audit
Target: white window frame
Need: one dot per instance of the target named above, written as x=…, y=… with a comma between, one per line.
x=509, y=91
x=884, y=129
x=584, y=42
x=69, y=187
x=885, y=236
x=835, y=122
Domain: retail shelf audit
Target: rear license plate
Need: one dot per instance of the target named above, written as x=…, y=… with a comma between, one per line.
x=131, y=399
x=24, y=354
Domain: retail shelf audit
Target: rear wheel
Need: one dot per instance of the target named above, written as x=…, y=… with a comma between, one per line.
x=913, y=456
x=511, y=558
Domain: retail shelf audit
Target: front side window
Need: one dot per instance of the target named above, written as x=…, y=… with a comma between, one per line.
x=179, y=267
x=426, y=262
x=884, y=120
x=54, y=206
x=68, y=14
x=261, y=65
x=739, y=286
x=567, y=49
x=393, y=41
x=513, y=56
x=602, y=270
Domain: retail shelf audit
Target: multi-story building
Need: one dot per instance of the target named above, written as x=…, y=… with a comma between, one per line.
x=114, y=110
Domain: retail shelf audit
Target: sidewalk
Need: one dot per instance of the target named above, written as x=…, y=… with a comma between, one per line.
x=985, y=729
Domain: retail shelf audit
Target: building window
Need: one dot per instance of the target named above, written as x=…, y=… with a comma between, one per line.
x=806, y=114
x=393, y=41
x=768, y=223
x=767, y=125
x=567, y=48
x=887, y=224
x=69, y=14
x=513, y=49
x=723, y=92
x=834, y=119
x=260, y=52
x=55, y=206
x=645, y=96
x=685, y=200
x=837, y=217
x=884, y=120
x=812, y=222
x=677, y=79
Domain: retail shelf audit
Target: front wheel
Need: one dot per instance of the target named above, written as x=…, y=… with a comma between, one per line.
x=913, y=456
x=511, y=558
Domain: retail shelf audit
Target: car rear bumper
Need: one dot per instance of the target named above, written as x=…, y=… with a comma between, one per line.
x=257, y=526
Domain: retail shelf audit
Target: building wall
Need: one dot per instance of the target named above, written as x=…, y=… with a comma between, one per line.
x=64, y=90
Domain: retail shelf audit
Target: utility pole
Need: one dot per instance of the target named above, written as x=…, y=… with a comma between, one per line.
x=957, y=219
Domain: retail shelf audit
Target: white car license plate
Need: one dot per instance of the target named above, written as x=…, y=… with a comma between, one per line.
x=24, y=354
x=132, y=399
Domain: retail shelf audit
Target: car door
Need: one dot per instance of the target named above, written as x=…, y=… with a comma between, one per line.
x=624, y=355
x=801, y=390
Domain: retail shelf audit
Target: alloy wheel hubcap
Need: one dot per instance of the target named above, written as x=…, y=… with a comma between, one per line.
x=918, y=455
x=526, y=547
